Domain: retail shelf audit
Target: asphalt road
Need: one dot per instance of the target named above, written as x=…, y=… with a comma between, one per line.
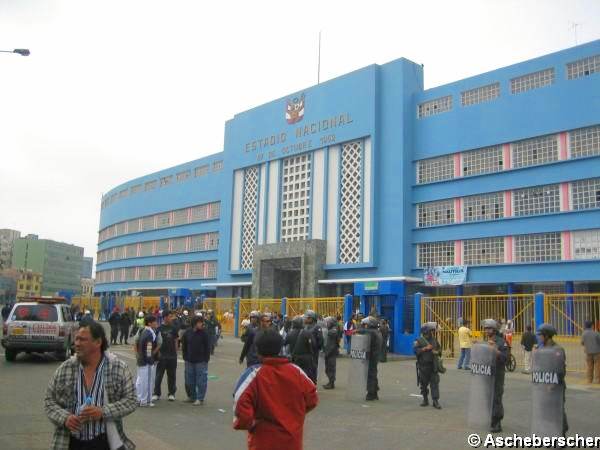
x=394, y=422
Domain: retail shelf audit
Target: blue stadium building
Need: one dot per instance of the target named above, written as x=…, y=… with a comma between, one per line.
x=365, y=182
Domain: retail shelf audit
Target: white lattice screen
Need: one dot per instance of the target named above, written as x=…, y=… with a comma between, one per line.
x=249, y=216
x=351, y=202
x=295, y=198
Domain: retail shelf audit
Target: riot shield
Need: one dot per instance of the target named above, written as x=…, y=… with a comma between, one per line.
x=481, y=395
x=548, y=390
x=359, y=366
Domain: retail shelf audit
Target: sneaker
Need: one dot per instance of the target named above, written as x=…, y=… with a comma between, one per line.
x=171, y=398
x=155, y=398
x=197, y=403
x=151, y=405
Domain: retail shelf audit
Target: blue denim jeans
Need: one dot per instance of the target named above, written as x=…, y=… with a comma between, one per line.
x=465, y=358
x=196, y=378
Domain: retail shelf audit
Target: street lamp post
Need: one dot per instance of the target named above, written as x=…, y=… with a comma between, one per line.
x=20, y=51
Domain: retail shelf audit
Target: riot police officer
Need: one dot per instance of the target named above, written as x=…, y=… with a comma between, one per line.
x=302, y=348
x=310, y=322
x=249, y=350
x=427, y=349
x=331, y=351
x=369, y=325
x=495, y=340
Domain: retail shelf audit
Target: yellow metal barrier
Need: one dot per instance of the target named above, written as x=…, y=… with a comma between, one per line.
x=324, y=306
x=90, y=303
x=223, y=308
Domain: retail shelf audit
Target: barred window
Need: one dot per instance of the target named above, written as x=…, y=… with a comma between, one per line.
x=196, y=270
x=537, y=200
x=146, y=248
x=162, y=247
x=212, y=241
x=435, y=169
x=182, y=176
x=124, y=193
x=586, y=193
x=211, y=269
x=130, y=251
x=149, y=185
x=534, y=151
x=160, y=272
x=178, y=245
x=201, y=170
x=180, y=217
x=120, y=252
x=583, y=67
x=484, y=160
x=147, y=223
x=135, y=189
x=432, y=254
x=163, y=220
x=164, y=181
x=484, y=251
x=436, y=106
x=435, y=213
x=586, y=244
x=121, y=228
x=198, y=243
x=585, y=142
x=215, y=210
x=129, y=273
x=532, y=81
x=177, y=271
x=480, y=94
x=483, y=207
x=144, y=273
x=538, y=247
x=200, y=213
x=133, y=226
x=217, y=165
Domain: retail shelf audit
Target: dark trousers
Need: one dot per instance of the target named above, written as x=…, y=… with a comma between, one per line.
x=306, y=363
x=330, y=367
x=124, y=334
x=384, y=350
x=372, y=382
x=170, y=366
x=497, y=406
x=114, y=332
x=429, y=379
x=98, y=443
x=348, y=343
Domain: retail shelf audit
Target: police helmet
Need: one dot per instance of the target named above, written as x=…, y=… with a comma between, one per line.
x=330, y=321
x=255, y=314
x=547, y=330
x=370, y=322
x=298, y=322
x=428, y=327
x=87, y=311
x=141, y=314
x=310, y=314
x=490, y=323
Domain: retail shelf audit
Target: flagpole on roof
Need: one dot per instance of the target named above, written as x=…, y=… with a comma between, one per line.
x=319, y=61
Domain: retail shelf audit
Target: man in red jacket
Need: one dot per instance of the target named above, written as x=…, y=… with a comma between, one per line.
x=273, y=424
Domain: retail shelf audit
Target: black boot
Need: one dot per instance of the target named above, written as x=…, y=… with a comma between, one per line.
x=496, y=427
x=425, y=401
x=436, y=405
x=371, y=397
x=330, y=385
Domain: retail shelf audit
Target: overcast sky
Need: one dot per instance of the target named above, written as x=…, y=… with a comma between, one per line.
x=116, y=89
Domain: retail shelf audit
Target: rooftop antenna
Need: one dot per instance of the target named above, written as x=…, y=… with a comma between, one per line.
x=319, y=61
x=574, y=26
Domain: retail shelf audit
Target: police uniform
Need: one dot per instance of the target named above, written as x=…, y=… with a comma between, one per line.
x=302, y=354
x=374, y=356
x=427, y=372
x=331, y=351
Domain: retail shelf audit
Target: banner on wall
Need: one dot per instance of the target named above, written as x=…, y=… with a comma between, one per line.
x=445, y=275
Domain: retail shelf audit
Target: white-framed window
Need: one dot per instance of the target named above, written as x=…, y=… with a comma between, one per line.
x=585, y=142
x=164, y=181
x=182, y=176
x=129, y=274
x=483, y=207
x=436, y=106
x=163, y=220
x=435, y=169
x=178, y=245
x=144, y=272
x=177, y=271
x=199, y=213
x=295, y=198
x=200, y=171
x=536, y=200
x=539, y=150
x=215, y=210
x=586, y=244
x=180, y=217
x=211, y=269
x=147, y=223
x=124, y=193
x=162, y=247
x=121, y=228
x=435, y=213
x=160, y=272
x=432, y=254
x=196, y=270
x=198, y=243
x=130, y=251
x=532, y=81
x=149, y=185
x=217, y=165
x=133, y=226
x=212, y=241
x=146, y=248
x=538, y=247
x=135, y=189
x=480, y=94
x=483, y=160
x=583, y=67
x=586, y=193
x=483, y=251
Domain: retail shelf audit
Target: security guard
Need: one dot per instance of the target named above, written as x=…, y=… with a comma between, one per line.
x=546, y=333
x=249, y=350
x=496, y=341
x=427, y=348
x=369, y=325
x=331, y=351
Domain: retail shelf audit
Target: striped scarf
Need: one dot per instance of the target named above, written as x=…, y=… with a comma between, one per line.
x=93, y=397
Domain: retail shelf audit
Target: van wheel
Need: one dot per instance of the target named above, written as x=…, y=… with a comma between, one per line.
x=10, y=355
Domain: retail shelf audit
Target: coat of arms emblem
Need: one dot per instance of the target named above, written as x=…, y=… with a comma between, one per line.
x=294, y=110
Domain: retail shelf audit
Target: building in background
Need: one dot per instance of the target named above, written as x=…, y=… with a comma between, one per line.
x=87, y=267
x=87, y=287
x=7, y=237
x=59, y=263
x=369, y=179
x=29, y=283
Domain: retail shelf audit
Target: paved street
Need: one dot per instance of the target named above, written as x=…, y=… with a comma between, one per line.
x=396, y=421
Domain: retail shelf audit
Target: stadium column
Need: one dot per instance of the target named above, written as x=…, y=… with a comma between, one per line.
x=539, y=309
